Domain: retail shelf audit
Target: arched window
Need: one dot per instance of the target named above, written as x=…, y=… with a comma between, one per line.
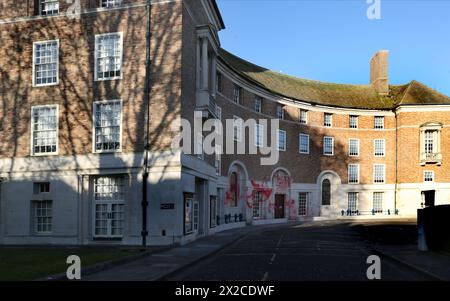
x=326, y=192
x=234, y=189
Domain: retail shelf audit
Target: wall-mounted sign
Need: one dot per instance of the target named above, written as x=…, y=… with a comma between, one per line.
x=170, y=206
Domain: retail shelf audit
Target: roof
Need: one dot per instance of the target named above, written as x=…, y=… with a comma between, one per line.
x=331, y=94
x=219, y=15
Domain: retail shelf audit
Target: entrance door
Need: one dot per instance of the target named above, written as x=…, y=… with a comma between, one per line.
x=279, y=206
x=428, y=198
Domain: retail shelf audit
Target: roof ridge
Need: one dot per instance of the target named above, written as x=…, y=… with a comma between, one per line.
x=406, y=92
x=296, y=77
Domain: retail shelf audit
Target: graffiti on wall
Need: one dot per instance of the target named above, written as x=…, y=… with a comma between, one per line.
x=281, y=184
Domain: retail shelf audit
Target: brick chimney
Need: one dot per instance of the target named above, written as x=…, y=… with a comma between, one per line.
x=379, y=72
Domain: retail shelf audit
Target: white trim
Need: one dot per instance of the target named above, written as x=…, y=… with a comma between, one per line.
x=357, y=145
x=300, y=116
x=94, y=110
x=39, y=3
x=332, y=144
x=325, y=114
x=259, y=128
x=100, y=4
x=433, y=176
x=32, y=154
x=278, y=140
x=308, y=196
x=238, y=137
x=423, y=108
x=348, y=174
x=375, y=148
x=375, y=122
x=33, y=76
x=84, y=12
x=299, y=143
x=97, y=36
x=384, y=173
x=350, y=119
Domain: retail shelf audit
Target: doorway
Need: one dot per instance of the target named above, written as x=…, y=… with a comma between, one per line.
x=428, y=198
x=279, y=206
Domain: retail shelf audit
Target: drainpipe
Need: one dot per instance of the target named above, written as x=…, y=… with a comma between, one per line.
x=144, y=203
x=396, y=161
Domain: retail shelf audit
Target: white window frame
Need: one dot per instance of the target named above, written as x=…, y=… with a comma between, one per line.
x=238, y=125
x=36, y=217
x=40, y=2
x=32, y=153
x=259, y=135
x=305, y=136
x=108, y=2
x=332, y=146
x=237, y=94
x=376, y=125
x=375, y=153
x=357, y=173
x=374, y=174
x=257, y=209
x=356, y=124
x=258, y=104
x=109, y=204
x=97, y=37
x=330, y=123
x=356, y=200
x=218, y=161
x=375, y=200
x=425, y=176
x=303, y=118
x=306, y=207
x=34, y=63
x=94, y=128
x=280, y=112
x=199, y=144
x=278, y=140
x=350, y=147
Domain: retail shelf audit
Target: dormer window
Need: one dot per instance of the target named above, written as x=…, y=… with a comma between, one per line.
x=48, y=7
x=430, y=144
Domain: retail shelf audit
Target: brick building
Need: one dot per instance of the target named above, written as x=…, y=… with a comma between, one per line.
x=91, y=98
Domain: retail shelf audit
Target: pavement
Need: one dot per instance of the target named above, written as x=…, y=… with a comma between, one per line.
x=163, y=264
x=293, y=252
x=435, y=265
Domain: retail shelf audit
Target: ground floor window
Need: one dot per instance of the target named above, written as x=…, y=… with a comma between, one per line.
x=303, y=198
x=109, y=206
x=188, y=213
x=378, y=202
x=353, y=203
x=213, y=212
x=196, y=216
x=43, y=217
x=257, y=204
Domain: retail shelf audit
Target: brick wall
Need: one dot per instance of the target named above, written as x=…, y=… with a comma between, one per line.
x=77, y=90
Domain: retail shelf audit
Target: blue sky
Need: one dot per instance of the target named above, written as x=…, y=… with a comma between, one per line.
x=334, y=40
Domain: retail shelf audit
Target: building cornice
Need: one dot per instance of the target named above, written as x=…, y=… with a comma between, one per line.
x=84, y=12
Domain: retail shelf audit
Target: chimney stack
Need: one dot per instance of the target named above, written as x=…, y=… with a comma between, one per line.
x=379, y=72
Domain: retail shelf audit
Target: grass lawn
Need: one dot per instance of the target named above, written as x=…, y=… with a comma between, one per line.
x=29, y=264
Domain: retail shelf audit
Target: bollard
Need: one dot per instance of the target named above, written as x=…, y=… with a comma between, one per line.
x=422, y=239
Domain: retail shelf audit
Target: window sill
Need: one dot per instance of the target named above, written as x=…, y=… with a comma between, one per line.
x=44, y=155
x=107, y=239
